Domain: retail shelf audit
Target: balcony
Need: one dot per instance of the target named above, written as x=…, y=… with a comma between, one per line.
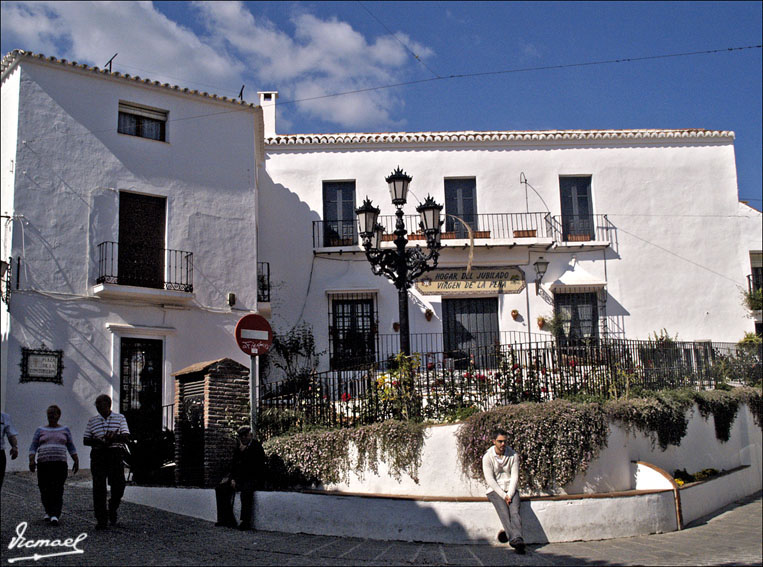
x=156, y=275
x=498, y=228
x=582, y=230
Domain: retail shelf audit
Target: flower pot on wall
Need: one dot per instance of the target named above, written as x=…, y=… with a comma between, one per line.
x=428, y=314
x=514, y=314
x=541, y=322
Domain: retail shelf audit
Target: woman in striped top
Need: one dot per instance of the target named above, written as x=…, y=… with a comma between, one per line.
x=49, y=445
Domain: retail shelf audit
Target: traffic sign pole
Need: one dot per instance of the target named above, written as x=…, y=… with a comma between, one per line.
x=255, y=337
x=254, y=390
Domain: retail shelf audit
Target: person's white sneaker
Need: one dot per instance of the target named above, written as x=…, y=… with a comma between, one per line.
x=53, y=521
x=46, y=518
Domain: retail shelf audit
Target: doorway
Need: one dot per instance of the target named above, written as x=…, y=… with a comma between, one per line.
x=141, y=240
x=470, y=327
x=140, y=399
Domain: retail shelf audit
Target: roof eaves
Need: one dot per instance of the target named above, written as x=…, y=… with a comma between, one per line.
x=12, y=59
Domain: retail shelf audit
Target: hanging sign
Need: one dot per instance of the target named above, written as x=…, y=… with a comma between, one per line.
x=483, y=280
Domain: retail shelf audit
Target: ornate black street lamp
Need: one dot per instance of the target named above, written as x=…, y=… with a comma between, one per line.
x=400, y=264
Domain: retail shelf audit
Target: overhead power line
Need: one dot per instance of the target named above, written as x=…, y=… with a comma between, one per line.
x=443, y=78
x=525, y=70
x=408, y=49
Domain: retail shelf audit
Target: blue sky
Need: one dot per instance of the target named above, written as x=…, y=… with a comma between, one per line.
x=312, y=49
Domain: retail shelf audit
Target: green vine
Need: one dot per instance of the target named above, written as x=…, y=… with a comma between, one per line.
x=555, y=440
x=323, y=457
x=723, y=406
x=753, y=397
x=661, y=416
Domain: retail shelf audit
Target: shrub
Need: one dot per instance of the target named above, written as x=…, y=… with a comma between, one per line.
x=723, y=406
x=323, y=457
x=662, y=416
x=555, y=440
x=754, y=400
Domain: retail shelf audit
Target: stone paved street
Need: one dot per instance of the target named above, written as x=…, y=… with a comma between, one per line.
x=145, y=536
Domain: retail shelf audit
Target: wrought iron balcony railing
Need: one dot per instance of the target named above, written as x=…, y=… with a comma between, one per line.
x=754, y=282
x=156, y=268
x=509, y=226
x=581, y=228
x=263, y=282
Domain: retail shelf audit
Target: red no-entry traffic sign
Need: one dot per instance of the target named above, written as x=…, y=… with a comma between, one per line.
x=254, y=335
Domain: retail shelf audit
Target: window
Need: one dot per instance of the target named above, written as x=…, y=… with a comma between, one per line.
x=579, y=313
x=339, y=213
x=142, y=122
x=461, y=202
x=577, y=212
x=352, y=330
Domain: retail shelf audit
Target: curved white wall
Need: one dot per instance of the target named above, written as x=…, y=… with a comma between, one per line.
x=440, y=473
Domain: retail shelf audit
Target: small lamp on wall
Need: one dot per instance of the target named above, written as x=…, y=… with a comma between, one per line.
x=540, y=266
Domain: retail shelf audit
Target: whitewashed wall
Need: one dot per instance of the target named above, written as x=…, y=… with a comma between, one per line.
x=440, y=474
x=8, y=128
x=70, y=166
x=680, y=252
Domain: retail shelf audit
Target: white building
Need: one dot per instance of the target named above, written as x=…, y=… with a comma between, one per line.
x=129, y=216
x=135, y=215
x=642, y=230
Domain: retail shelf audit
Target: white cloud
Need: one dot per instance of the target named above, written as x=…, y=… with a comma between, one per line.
x=314, y=58
x=320, y=57
x=148, y=43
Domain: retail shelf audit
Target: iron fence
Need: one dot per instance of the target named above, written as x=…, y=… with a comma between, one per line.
x=145, y=267
x=168, y=417
x=440, y=386
x=263, y=282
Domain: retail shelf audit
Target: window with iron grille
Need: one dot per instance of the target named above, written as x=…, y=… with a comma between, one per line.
x=579, y=313
x=339, y=213
x=352, y=330
x=141, y=121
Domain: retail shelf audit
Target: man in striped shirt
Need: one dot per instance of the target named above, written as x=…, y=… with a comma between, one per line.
x=106, y=433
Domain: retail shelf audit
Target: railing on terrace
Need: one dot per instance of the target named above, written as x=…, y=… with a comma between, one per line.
x=168, y=417
x=386, y=346
x=145, y=267
x=581, y=228
x=499, y=375
x=754, y=282
x=263, y=282
x=509, y=226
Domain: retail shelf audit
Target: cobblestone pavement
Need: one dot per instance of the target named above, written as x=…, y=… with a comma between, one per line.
x=146, y=536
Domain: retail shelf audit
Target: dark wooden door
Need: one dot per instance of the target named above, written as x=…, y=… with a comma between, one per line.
x=461, y=202
x=470, y=327
x=339, y=213
x=141, y=240
x=577, y=212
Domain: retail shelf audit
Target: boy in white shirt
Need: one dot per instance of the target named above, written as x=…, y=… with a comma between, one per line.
x=500, y=465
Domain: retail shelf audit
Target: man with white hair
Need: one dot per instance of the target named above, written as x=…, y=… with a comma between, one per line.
x=106, y=433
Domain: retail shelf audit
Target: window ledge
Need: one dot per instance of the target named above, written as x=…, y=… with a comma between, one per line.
x=150, y=295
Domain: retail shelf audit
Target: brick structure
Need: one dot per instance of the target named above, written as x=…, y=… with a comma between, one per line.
x=211, y=402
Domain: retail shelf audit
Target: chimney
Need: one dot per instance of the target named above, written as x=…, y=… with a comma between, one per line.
x=268, y=104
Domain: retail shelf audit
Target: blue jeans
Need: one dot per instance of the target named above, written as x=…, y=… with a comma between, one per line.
x=509, y=516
